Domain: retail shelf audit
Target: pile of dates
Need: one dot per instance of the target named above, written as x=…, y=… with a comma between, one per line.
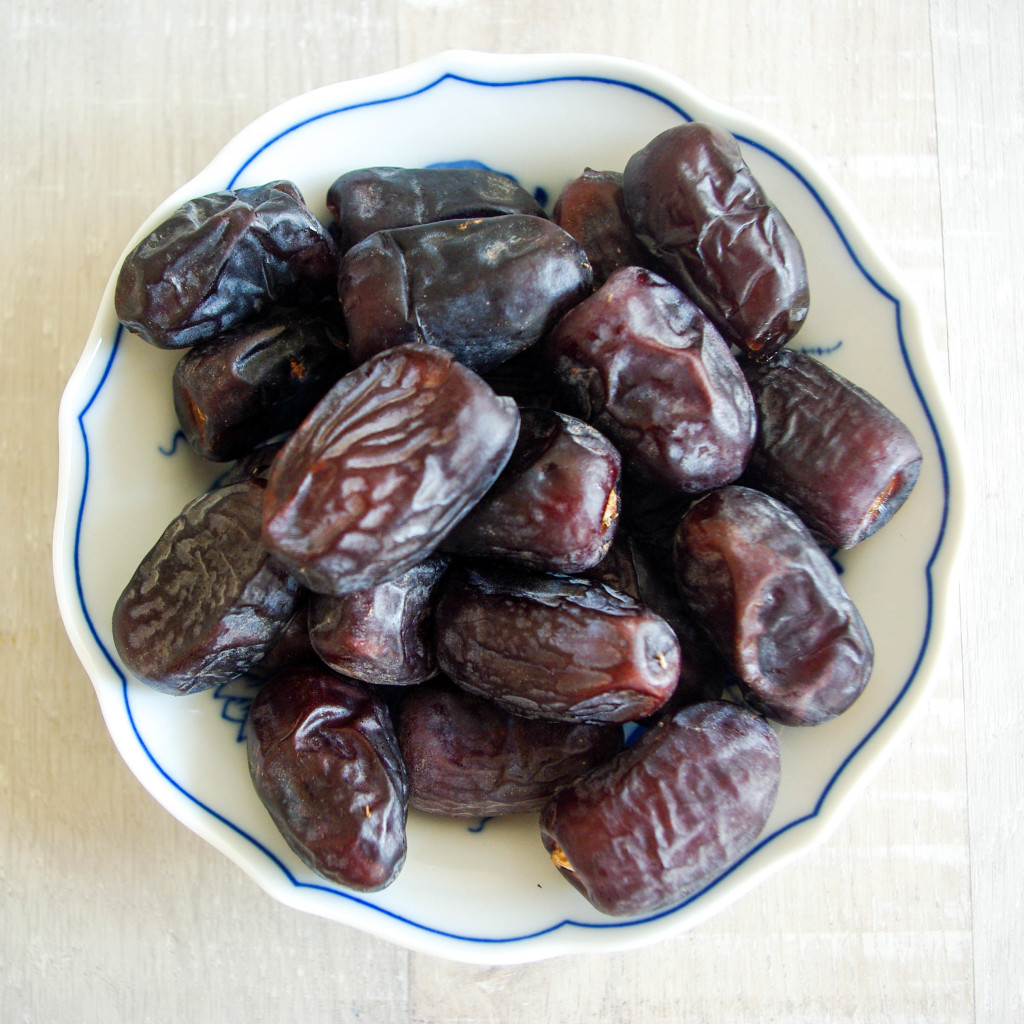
x=501, y=484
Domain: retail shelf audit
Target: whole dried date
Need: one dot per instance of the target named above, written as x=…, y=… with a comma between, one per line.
x=644, y=365
x=694, y=203
x=373, y=199
x=832, y=452
x=557, y=647
x=393, y=456
x=221, y=260
x=670, y=813
x=325, y=762
x=770, y=599
x=466, y=757
x=207, y=602
x=483, y=289
x=555, y=506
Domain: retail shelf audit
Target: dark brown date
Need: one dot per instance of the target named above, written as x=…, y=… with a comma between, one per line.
x=394, y=455
x=236, y=391
x=694, y=203
x=292, y=648
x=592, y=209
x=644, y=365
x=325, y=762
x=207, y=602
x=483, y=289
x=555, y=506
x=829, y=450
x=771, y=601
x=373, y=199
x=556, y=647
x=668, y=815
x=466, y=757
x=221, y=260
x=382, y=635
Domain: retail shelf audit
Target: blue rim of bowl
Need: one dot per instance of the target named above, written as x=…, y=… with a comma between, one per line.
x=765, y=840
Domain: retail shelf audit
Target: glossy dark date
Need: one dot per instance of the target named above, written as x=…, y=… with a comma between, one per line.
x=220, y=261
x=382, y=635
x=592, y=209
x=644, y=365
x=466, y=757
x=556, y=647
x=832, y=452
x=390, y=460
x=482, y=289
x=670, y=813
x=555, y=506
x=694, y=203
x=325, y=762
x=375, y=199
x=770, y=599
x=207, y=602
x=236, y=391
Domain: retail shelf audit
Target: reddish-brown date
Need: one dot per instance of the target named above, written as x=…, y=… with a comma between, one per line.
x=644, y=365
x=773, y=604
x=388, y=462
x=670, y=813
x=829, y=450
x=382, y=635
x=325, y=762
x=221, y=260
x=555, y=506
x=466, y=757
x=207, y=602
x=483, y=289
x=694, y=203
x=557, y=647
x=373, y=199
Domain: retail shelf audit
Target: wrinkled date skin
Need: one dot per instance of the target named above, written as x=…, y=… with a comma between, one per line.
x=670, y=813
x=694, y=203
x=373, y=199
x=325, y=762
x=556, y=647
x=234, y=392
x=555, y=506
x=207, y=602
x=466, y=757
x=592, y=209
x=770, y=599
x=644, y=365
x=221, y=260
x=827, y=449
x=393, y=456
x=483, y=289
x=382, y=635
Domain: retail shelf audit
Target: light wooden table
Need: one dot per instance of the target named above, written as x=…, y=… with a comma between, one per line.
x=110, y=911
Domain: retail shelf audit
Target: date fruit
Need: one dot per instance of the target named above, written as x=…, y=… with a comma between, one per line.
x=325, y=762
x=393, y=456
x=382, y=635
x=694, y=203
x=221, y=260
x=557, y=647
x=556, y=504
x=827, y=449
x=644, y=365
x=207, y=602
x=466, y=757
x=373, y=199
x=670, y=813
x=771, y=601
x=483, y=289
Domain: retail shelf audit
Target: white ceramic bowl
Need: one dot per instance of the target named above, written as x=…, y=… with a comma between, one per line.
x=490, y=894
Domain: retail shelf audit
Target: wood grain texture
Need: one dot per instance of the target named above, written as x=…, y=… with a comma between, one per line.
x=112, y=911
